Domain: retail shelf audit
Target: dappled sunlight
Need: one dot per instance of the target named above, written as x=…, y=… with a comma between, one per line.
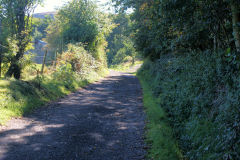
x=20, y=134
x=101, y=119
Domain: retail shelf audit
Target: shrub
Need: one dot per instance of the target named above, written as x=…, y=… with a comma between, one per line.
x=76, y=59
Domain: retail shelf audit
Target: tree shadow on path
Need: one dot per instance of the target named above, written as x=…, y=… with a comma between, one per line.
x=102, y=121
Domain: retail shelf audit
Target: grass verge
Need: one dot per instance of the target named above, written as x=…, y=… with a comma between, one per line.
x=18, y=98
x=159, y=134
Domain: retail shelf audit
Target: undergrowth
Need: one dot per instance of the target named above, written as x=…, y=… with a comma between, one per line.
x=200, y=94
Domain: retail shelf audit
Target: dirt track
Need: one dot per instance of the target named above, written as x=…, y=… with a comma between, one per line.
x=104, y=121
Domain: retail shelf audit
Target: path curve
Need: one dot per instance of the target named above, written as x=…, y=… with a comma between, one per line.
x=104, y=121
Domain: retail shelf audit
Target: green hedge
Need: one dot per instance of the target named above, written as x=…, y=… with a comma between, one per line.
x=200, y=94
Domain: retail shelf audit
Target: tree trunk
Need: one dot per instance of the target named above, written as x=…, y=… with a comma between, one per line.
x=236, y=24
x=15, y=69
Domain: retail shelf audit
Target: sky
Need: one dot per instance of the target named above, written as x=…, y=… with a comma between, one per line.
x=52, y=5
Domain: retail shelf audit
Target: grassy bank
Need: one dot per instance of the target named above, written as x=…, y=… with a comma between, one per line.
x=18, y=98
x=159, y=134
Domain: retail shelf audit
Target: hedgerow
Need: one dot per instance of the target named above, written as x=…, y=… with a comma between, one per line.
x=199, y=92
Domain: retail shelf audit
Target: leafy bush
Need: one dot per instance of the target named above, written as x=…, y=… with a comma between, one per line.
x=76, y=59
x=200, y=94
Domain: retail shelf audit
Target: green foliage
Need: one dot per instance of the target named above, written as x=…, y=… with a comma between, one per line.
x=169, y=26
x=120, y=45
x=76, y=59
x=81, y=62
x=200, y=97
x=193, y=50
x=17, y=18
x=40, y=27
x=79, y=21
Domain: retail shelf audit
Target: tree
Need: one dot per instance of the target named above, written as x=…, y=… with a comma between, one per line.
x=167, y=26
x=120, y=43
x=40, y=26
x=19, y=20
x=79, y=21
x=75, y=22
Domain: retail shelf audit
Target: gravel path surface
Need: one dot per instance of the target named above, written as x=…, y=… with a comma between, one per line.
x=104, y=121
